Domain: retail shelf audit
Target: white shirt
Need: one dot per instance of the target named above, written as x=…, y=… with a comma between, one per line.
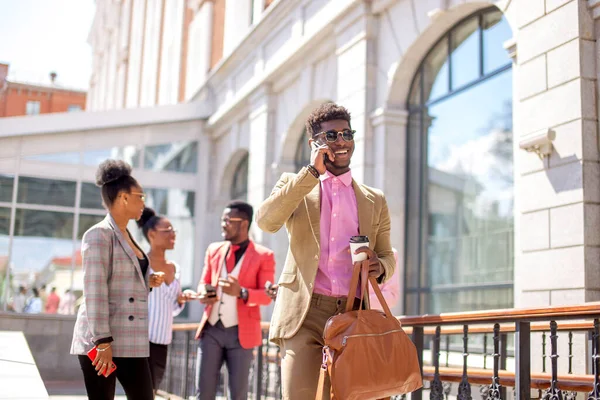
x=162, y=307
x=19, y=302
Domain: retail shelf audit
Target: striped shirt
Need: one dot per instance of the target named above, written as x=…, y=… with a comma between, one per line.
x=162, y=307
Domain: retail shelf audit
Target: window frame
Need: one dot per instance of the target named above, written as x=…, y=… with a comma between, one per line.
x=416, y=253
x=37, y=109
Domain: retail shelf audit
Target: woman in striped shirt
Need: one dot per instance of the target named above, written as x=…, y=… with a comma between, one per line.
x=167, y=300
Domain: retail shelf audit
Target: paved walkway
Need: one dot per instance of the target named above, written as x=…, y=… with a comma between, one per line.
x=19, y=376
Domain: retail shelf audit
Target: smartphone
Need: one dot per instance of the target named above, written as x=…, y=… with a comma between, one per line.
x=315, y=145
x=211, y=291
x=92, y=355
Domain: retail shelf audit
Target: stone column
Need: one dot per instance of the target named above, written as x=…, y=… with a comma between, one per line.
x=260, y=148
x=261, y=174
x=355, y=52
x=389, y=153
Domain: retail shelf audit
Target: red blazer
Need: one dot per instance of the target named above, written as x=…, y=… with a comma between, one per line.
x=258, y=267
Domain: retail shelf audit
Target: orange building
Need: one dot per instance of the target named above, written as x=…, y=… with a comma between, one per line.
x=20, y=98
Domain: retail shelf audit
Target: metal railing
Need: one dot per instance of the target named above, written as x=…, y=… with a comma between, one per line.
x=180, y=375
x=493, y=368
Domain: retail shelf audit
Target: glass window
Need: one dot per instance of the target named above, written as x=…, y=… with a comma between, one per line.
x=32, y=108
x=129, y=154
x=496, y=31
x=460, y=253
x=476, y=48
x=171, y=202
x=6, y=188
x=4, y=221
x=90, y=196
x=239, y=188
x=61, y=158
x=86, y=221
x=74, y=108
x=302, y=157
x=465, y=53
x=174, y=157
x=46, y=191
x=49, y=224
x=40, y=238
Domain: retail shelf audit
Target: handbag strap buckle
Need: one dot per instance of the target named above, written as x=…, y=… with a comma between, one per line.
x=325, y=355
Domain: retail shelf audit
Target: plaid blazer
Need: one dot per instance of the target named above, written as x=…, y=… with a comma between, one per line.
x=115, y=294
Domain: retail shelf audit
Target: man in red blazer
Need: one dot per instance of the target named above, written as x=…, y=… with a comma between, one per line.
x=232, y=288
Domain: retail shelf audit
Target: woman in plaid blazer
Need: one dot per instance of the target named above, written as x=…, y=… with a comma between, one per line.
x=113, y=317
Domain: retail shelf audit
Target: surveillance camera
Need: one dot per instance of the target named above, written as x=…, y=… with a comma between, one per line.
x=539, y=142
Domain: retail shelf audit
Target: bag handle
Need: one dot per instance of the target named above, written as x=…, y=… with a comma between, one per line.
x=363, y=271
x=352, y=288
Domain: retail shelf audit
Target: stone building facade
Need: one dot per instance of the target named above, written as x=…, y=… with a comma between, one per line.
x=449, y=99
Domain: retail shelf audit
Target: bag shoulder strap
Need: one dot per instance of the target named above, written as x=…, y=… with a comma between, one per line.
x=363, y=269
x=380, y=297
x=321, y=386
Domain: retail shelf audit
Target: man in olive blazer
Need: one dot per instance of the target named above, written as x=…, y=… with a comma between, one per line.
x=295, y=203
x=314, y=284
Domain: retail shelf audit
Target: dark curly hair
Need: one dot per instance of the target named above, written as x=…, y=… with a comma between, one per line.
x=114, y=176
x=148, y=221
x=325, y=112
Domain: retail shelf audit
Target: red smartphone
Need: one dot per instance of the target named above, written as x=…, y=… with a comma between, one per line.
x=92, y=355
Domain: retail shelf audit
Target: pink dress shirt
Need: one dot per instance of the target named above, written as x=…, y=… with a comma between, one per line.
x=339, y=221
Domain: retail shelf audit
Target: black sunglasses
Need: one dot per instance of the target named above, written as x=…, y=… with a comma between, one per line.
x=332, y=135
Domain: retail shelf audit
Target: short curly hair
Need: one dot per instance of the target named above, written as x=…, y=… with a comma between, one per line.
x=325, y=112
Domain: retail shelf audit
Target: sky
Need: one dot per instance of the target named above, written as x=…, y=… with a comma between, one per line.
x=40, y=36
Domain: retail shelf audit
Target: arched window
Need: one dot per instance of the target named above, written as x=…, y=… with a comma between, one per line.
x=302, y=157
x=460, y=230
x=239, y=187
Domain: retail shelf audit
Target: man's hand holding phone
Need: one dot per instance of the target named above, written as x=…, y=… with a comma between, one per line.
x=271, y=289
x=208, y=295
x=319, y=155
x=101, y=357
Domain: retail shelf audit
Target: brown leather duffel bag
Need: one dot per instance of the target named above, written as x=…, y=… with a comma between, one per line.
x=367, y=354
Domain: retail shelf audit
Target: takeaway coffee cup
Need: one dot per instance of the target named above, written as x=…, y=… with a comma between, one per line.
x=357, y=242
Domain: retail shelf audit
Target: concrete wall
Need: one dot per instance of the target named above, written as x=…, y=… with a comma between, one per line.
x=49, y=339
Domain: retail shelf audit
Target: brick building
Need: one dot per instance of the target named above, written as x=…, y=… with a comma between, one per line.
x=23, y=98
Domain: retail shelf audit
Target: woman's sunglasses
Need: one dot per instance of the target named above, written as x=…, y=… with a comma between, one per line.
x=332, y=135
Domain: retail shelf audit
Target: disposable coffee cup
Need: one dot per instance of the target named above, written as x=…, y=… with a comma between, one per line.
x=357, y=242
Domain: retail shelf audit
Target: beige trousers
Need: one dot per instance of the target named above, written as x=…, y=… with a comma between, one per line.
x=303, y=353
